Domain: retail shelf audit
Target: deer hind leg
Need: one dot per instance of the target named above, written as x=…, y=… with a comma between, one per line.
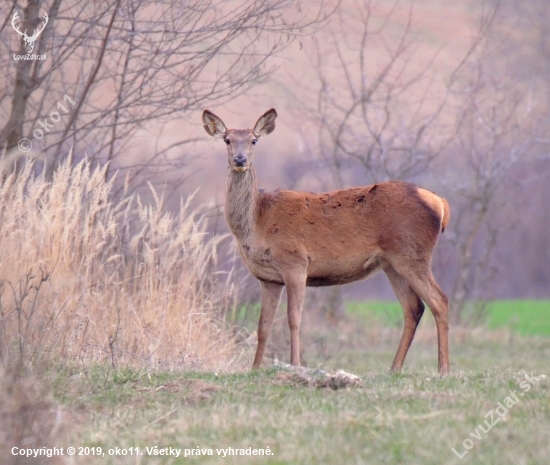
x=296, y=290
x=271, y=294
x=413, y=309
x=421, y=280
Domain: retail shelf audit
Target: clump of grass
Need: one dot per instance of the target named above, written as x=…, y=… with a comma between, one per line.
x=88, y=279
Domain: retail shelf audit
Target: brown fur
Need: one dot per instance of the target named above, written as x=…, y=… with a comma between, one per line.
x=297, y=238
x=333, y=235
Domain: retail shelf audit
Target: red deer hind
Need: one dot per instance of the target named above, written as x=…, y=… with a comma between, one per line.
x=299, y=239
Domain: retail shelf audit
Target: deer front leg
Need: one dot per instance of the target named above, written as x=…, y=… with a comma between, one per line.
x=296, y=290
x=271, y=294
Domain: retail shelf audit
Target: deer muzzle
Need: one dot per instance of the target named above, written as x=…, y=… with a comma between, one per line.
x=240, y=161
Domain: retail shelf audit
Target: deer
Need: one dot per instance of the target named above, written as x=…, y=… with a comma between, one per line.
x=299, y=239
x=29, y=40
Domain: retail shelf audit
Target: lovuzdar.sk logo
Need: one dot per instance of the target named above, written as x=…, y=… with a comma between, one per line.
x=29, y=40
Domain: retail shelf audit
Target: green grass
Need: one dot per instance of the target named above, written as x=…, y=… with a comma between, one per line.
x=387, y=313
x=413, y=418
x=526, y=317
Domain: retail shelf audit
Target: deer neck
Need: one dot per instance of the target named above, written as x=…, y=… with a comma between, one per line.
x=241, y=203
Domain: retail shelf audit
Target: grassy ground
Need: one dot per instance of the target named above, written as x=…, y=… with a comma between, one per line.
x=412, y=418
x=526, y=317
x=523, y=316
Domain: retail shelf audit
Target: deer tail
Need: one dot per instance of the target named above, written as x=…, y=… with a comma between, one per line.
x=446, y=214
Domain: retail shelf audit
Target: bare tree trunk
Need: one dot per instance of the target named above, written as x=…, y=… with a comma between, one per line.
x=462, y=287
x=27, y=80
x=25, y=83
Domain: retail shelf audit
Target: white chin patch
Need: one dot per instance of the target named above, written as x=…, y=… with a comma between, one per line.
x=240, y=169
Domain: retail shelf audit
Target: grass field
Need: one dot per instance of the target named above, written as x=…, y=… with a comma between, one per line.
x=526, y=317
x=412, y=418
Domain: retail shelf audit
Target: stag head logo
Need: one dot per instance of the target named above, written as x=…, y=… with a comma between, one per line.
x=29, y=40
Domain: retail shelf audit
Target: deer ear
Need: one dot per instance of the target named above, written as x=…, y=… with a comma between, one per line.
x=213, y=124
x=266, y=123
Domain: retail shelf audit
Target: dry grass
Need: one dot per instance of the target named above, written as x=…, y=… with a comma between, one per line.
x=86, y=281
x=84, y=278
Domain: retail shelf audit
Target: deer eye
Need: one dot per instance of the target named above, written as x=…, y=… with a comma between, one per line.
x=254, y=141
x=227, y=141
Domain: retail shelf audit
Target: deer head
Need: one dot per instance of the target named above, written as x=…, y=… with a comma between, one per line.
x=29, y=40
x=240, y=142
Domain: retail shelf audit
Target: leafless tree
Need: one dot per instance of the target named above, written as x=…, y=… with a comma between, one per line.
x=373, y=112
x=382, y=115
x=496, y=130
x=117, y=69
x=376, y=114
x=502, y=122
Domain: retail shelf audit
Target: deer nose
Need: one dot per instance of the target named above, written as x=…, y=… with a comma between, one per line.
x=239, y=160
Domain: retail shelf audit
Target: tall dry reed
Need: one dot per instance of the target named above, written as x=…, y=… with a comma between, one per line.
x=84, y=278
